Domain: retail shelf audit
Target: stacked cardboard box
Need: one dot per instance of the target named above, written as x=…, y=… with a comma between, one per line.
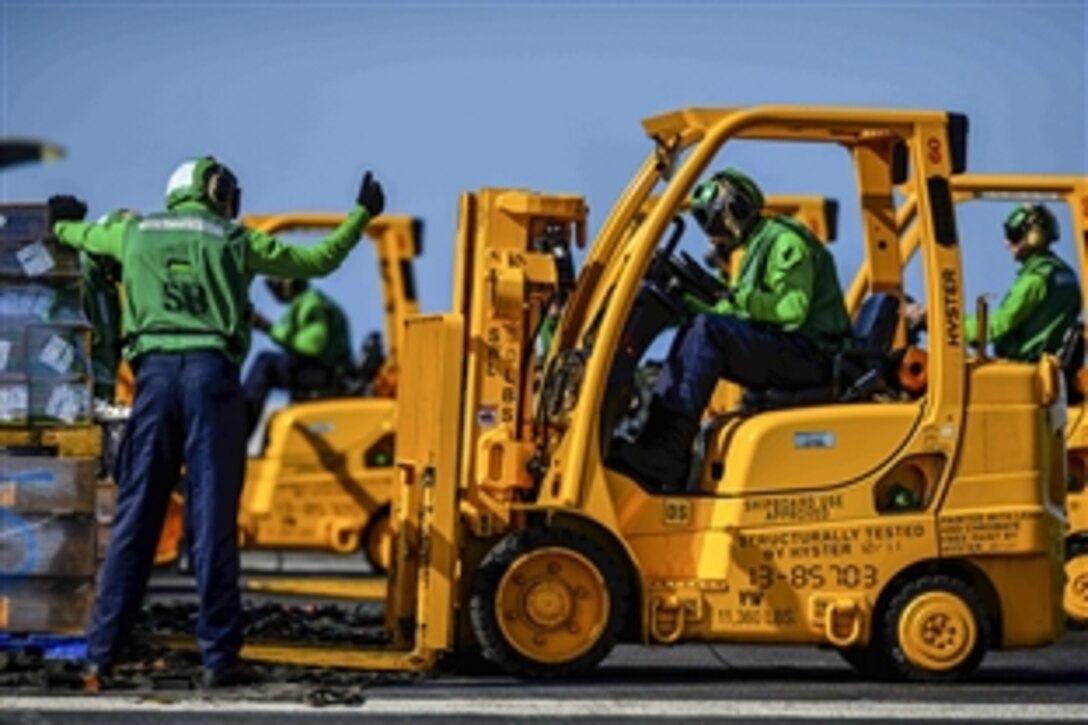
x=47, y=496
x=47, y=543
x=45, y=356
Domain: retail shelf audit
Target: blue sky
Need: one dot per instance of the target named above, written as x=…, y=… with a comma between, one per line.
x=300, y=98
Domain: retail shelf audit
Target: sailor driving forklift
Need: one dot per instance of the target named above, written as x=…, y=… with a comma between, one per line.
x=778, y=326
x=1043, y=302
x=315, y=343
x=186, y=273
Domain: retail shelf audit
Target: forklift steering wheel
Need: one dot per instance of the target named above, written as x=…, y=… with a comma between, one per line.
x=695, y=280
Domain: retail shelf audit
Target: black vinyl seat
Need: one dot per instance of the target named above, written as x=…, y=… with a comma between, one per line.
x=856, y=373
x=1070, y=355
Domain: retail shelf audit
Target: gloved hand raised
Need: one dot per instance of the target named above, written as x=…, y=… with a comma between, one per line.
x=65, y=207
x=371, y=195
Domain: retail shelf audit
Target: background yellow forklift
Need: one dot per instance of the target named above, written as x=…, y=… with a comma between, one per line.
x=1072, y=192
x=322, y=479
x=514, y=537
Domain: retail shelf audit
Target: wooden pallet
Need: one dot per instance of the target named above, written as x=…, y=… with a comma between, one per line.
x=78, y=441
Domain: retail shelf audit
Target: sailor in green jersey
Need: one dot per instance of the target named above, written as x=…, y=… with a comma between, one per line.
x=314, y=340
x=1044, y=300
x=780, y=327
x=186, y=275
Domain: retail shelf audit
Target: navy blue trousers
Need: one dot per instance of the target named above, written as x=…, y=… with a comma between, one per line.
x=752, y=354
x=188, y=410
x=271, y=370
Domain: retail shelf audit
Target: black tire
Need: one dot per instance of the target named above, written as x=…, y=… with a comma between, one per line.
x=1074, y=550
x=485, y=588
x=891, y=652
x=381, y=516
x=867, y=660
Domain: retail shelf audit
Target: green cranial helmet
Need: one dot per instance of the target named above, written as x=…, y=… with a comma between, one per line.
x=727, y=202
x=1033, y=224
x=206, y=180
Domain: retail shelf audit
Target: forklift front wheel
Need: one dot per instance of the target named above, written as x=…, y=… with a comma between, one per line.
x=547, y=603
x=935, y=629
x=378, y=542
x=1076, y=585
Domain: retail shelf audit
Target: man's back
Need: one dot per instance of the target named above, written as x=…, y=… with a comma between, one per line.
x=1026, y=337
x=185, y=283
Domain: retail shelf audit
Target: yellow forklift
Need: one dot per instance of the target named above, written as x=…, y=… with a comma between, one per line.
x=322, y=479
x=1072, y=192
x=912, y=533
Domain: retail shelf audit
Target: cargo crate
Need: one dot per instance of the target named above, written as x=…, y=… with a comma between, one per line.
x=43, y=545
x=27, y=249
x=53, y=301
x=45, y=401
x=45, y=350
x=38, y=484
x=45, y=605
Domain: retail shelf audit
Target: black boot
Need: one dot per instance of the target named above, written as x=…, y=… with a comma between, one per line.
x=661, y=457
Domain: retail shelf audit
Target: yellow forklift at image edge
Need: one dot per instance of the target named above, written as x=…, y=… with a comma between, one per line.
x=1072, y=192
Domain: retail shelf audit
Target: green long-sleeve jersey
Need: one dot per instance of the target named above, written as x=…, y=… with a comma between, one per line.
x=788, y=279
x=1043, y=302
x=187, y=271
x=316, y=327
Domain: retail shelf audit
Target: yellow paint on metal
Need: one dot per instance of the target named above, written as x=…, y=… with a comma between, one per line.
x=77, y=441
x=937, y=631
x=356, y=589
x=373, y=659
x=552, y=605
x=325, y=655
x=1075, y=600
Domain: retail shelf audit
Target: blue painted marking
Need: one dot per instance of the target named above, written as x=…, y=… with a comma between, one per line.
x=51, y=646
x=13, y=526
x=33, y=477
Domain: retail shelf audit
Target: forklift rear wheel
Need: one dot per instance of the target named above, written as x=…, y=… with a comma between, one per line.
x=1075, y=600
x=548, y=603
x=378, y=542
x=935, y=629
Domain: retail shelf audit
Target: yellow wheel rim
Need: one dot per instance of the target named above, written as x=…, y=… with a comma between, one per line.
x=379, y=543
x=552, y=605
x=937, y=631
x=1076, y=588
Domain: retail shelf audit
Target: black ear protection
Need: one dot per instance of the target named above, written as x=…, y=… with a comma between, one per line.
x=221, y=188
x=740, y=206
